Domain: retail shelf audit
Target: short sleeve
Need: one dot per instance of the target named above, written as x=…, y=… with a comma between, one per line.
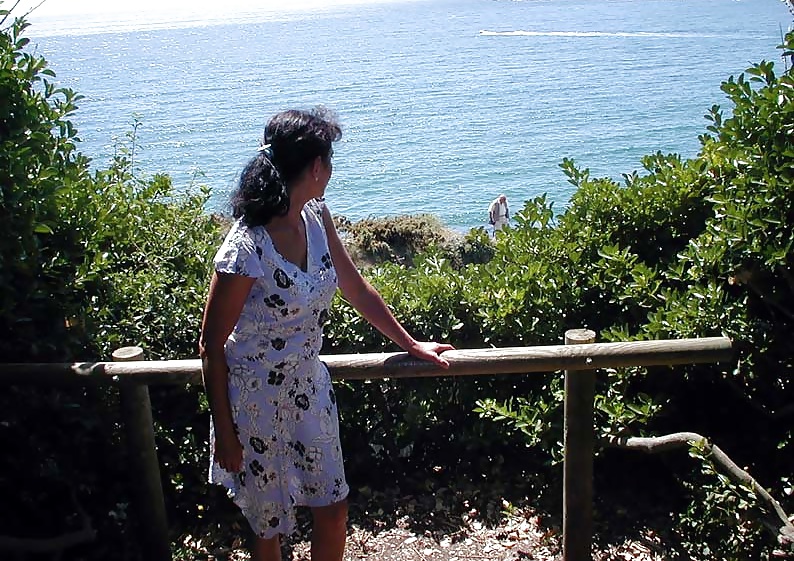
x=240, y=254
x=316, y=207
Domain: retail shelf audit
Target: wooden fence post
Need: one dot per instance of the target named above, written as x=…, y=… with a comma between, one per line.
x=136, y=410
x=577, y=490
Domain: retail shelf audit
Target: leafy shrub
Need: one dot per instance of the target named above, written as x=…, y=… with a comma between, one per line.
x=88, y=263
x=147, y=264
x=38, y=164
x=473, y=248
x=396, y=239
x=722, y=520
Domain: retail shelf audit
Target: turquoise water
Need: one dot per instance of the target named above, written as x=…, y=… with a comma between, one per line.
x=445, y=103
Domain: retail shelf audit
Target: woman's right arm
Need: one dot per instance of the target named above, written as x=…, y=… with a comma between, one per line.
x=227, y=295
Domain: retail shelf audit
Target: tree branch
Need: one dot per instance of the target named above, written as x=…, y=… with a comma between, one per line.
x=8, y=13
x=784, y=530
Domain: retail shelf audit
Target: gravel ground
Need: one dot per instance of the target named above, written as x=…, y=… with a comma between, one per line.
x=442, y=525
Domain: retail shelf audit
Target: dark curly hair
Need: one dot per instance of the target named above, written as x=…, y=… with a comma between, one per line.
x=293, y=139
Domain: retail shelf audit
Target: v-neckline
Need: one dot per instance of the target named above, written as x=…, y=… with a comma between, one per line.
x=308, y=246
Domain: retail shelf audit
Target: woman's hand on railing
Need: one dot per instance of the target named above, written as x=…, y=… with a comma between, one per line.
x=431, y=351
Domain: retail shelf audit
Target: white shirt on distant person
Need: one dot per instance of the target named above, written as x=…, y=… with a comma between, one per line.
x=498, y=213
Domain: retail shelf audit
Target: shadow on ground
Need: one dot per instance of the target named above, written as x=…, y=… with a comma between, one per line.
x=507, y=514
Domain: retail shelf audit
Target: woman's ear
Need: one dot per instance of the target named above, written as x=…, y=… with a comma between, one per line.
x=317, y=167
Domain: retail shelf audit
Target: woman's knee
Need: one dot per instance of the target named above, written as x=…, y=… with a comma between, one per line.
x=332, y=515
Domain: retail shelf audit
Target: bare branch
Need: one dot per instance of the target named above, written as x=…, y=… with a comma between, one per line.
x=781, y=524
x=34, y=8
x=8, y=13
x=26, y=14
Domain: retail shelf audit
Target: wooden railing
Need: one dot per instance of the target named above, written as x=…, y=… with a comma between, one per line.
x=579, y=358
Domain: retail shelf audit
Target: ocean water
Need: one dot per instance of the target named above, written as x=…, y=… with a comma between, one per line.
x=445, y=103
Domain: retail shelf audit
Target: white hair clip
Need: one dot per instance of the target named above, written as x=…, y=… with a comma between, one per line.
x=268, y=151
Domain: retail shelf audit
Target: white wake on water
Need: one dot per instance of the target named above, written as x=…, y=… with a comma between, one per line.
x=521, y=33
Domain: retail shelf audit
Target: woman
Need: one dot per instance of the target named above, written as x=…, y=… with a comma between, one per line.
x=275, y=433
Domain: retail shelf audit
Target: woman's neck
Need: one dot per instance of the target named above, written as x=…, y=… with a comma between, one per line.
x=292, y=220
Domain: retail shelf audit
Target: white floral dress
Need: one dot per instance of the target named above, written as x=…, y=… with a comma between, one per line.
x=283, y=405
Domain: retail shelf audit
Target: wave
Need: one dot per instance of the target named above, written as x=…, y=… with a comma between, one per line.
x=598, y=34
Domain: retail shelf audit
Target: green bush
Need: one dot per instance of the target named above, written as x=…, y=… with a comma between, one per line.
x=395, y=238
x=88, y=263
x=38, y=165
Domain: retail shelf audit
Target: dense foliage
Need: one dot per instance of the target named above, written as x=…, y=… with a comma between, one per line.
x=38, y=163
x=93, y=261
x=89, y=262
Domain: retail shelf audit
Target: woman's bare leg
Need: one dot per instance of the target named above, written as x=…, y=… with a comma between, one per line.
x=266, y=550
x=329, y=531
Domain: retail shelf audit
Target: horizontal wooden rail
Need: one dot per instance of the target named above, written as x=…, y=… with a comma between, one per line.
x=472, y=362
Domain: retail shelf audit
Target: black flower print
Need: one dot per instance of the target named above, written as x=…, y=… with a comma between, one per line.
x=273, y=522
x=299, y=447
x=242, y=478
x=256, y=467
x=281, y=278
x=257, y=444
x=256, y=357
x=275, y=378
x=274, y=301
x=302, y=401
x=278, y=343
x=326, y=261
x=312, y=386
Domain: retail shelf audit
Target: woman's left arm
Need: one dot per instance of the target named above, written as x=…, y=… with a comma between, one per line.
x=364, y=298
